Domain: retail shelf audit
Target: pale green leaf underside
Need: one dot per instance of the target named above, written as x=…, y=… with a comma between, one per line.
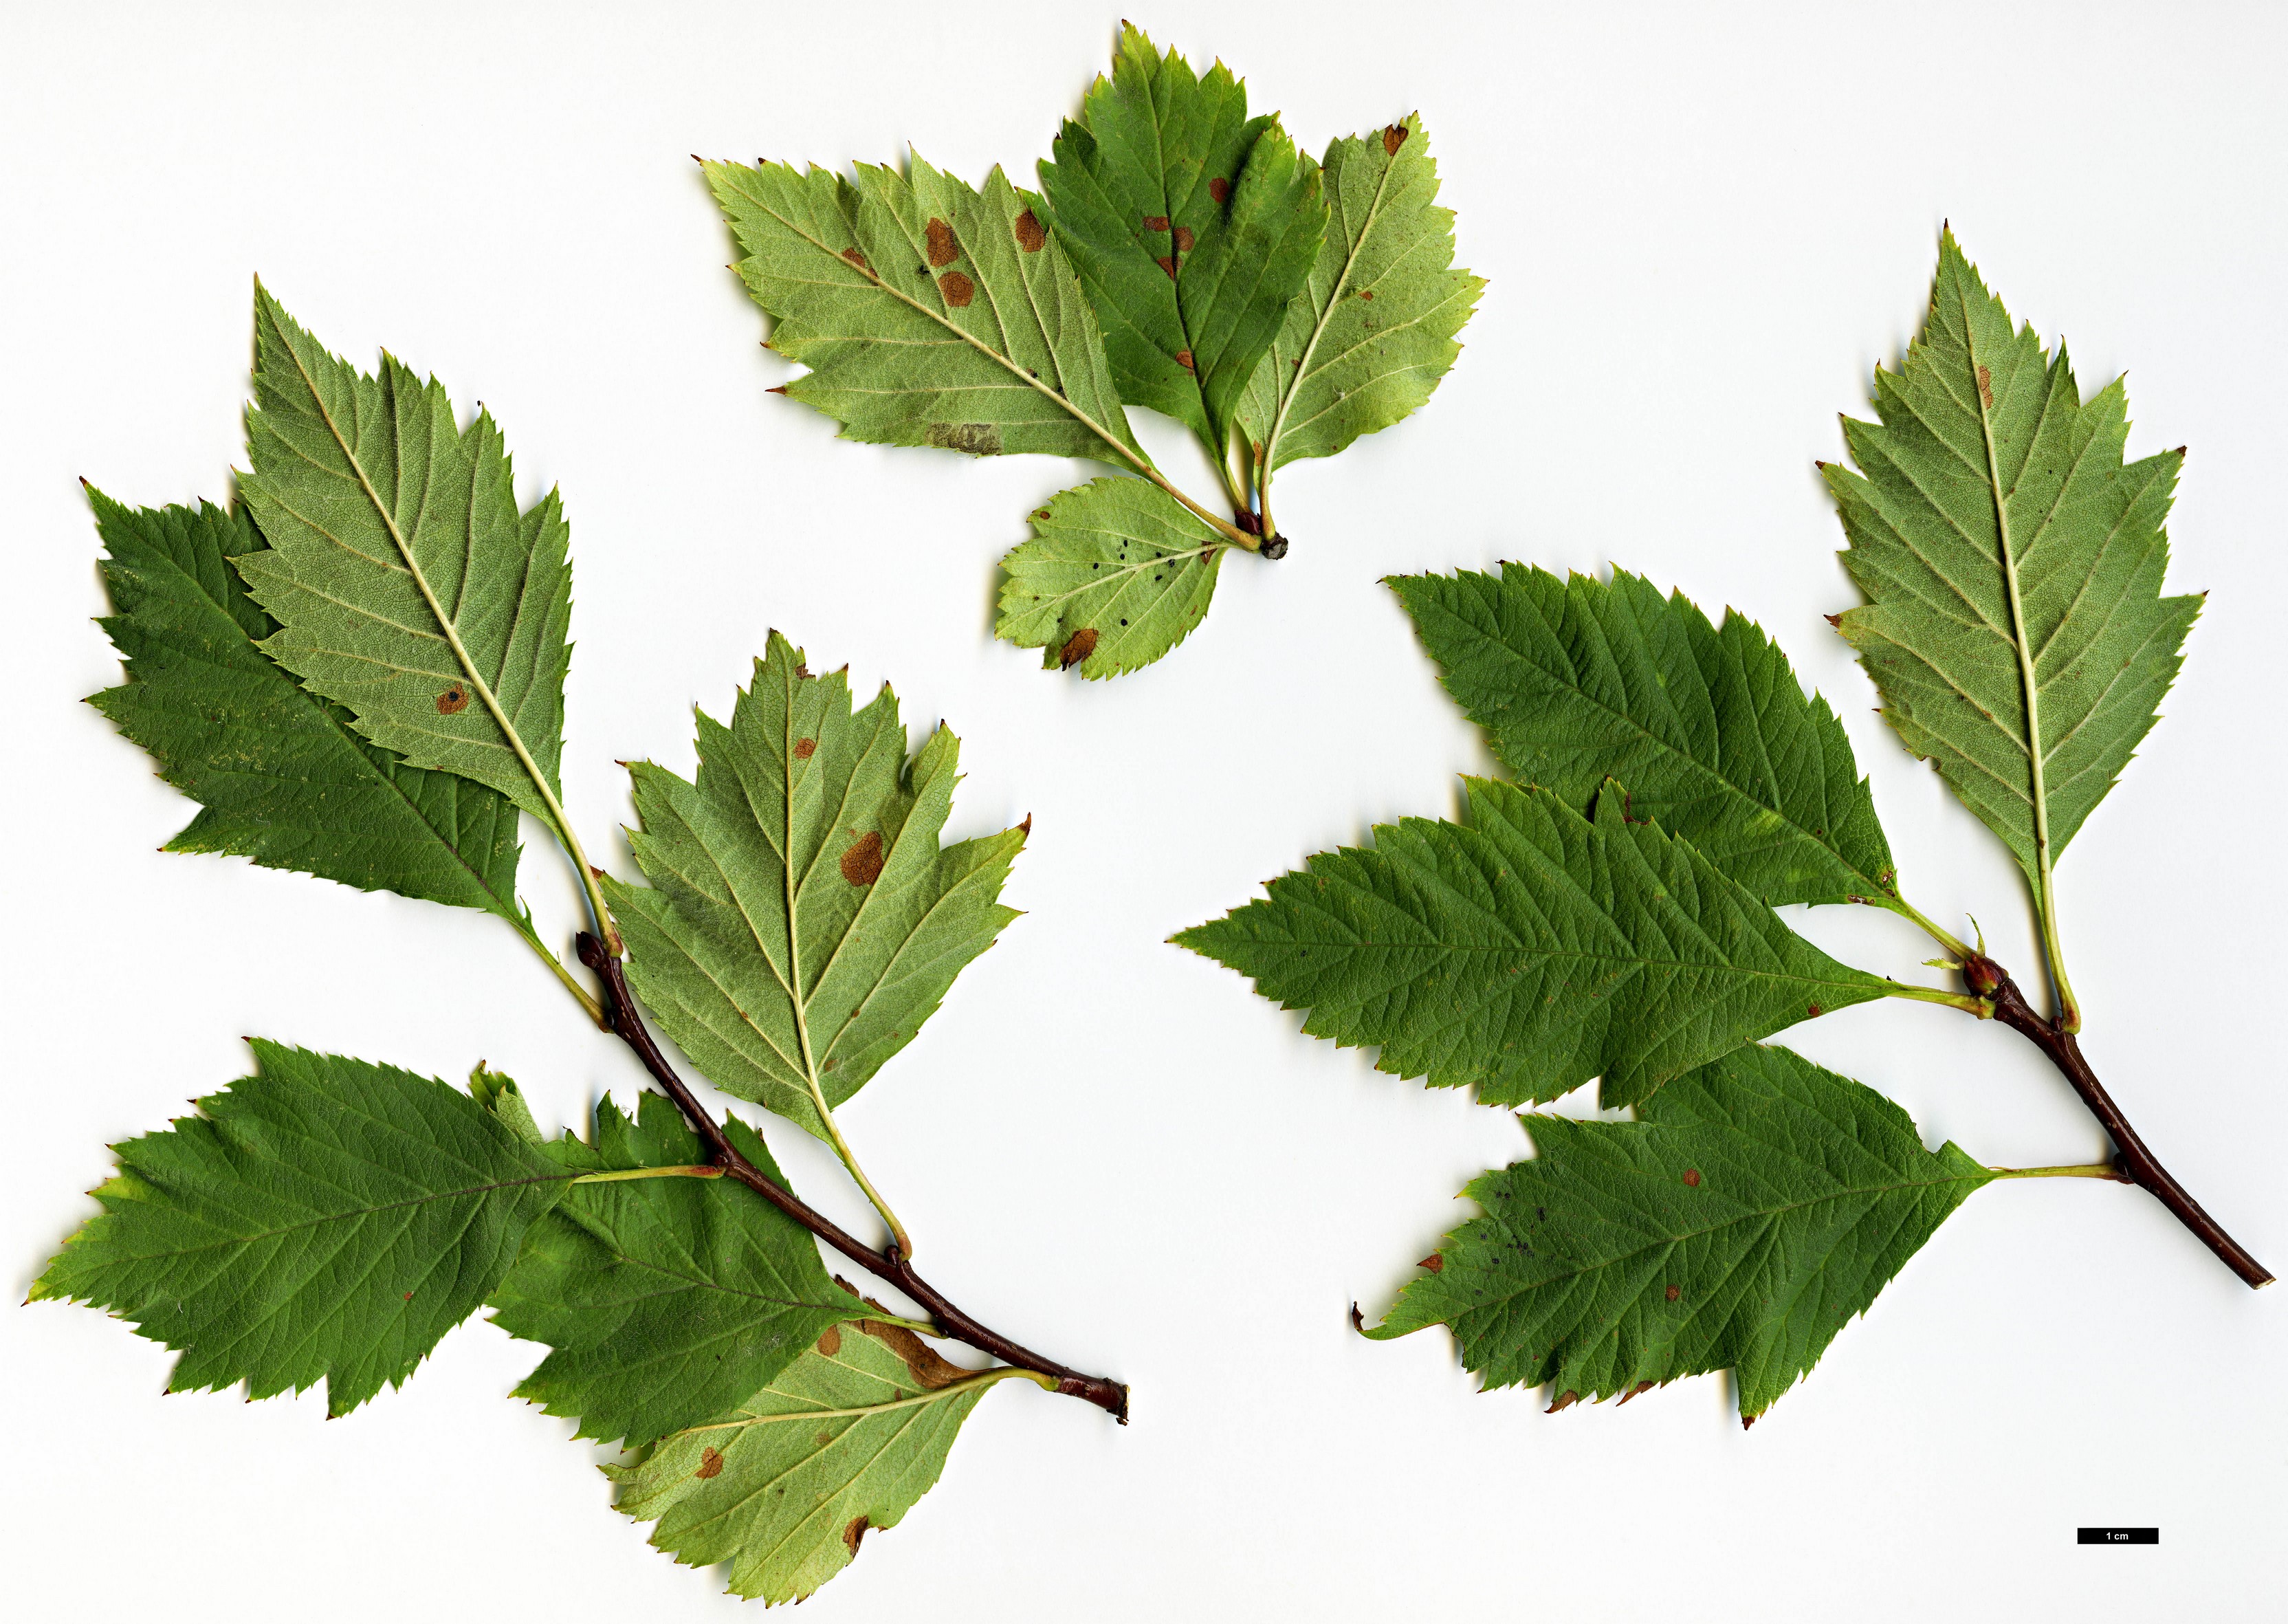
x=928, y=312
x=784, y=1486
x=1117, y=573
x=1755, y=1208
x=280, y=774
x=1983, y=434
x=1529, y=951
x=407, y=586
x=1368, y=338
x=1191, y=225
x=802, y=920
x=1576, y=681
x=666, y=1300
x=324, y=1218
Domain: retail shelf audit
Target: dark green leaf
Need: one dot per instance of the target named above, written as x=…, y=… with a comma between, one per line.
x=280, y=774
x=1193, y=226
x=665, y=1300
x=1529, y=952
x=323, y=1218
x=1755, y=1208
x=1577, y=682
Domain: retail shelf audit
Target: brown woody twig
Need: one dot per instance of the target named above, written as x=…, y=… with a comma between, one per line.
x=627, y=1024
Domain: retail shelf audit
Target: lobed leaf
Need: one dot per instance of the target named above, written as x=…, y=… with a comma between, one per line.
x=1577, y=682
x=1366, y=340
x=323, y=1218
x=1117, y=573
x=1751, y=1212
x=783, y=1487
x=665, y=1300
x=1529, y=952
x=1191, y=225
x=928, y=312
x=406, y=584
x=802, y=920
x=280, y=774
x=2012, y=565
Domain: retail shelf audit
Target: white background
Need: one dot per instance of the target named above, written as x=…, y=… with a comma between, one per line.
x=1704, y=226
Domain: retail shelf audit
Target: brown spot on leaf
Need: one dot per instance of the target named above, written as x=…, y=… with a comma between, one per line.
x=1986, y=387
x=1077, y=647
x=1184, y=239
x=1642, y=1387
x=1812, y=1012
x=1040, y=513
x=1692, y=1177
x=408, y=1296
x=1367, y=294
x=822, y=1440
x=978, y=439
x=1156, y=222
x=957, y=289
x=855, y=1532
x=453, y=701
x=1168, y=266
x=1569, y=1399
x=1674, y=1292
x=1393, y=137
x=829, y=1342
x=922, y=1361
x=1184, y=360
x=710, y=1461
x=805, y=748
x=1030, y=236
x=801, y=670
x=858, y=259
x=943, y=250
x=1747, y=1422
x=1435, y=1263
x=1220, y=189
x=1834, y=620
x=861, y=865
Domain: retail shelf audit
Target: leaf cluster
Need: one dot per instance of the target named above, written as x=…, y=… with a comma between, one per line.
x=1611, y=913
x=357, y=670
x=1182, y=256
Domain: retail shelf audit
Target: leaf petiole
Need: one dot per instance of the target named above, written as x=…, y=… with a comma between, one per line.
x=708, y=1170
x=2081, y=1170
x=1963, y=1001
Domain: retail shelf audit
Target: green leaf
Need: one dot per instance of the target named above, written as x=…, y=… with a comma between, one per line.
x=803, y=920
x=1529, y=952
x=2013, y=566
x=1755, y=1208
x=1577, y=682
x=928, y=313
x=407, y=585
x=1192, y=226
x=1367, y=340
x=786, y=1485
x=1117, y=573
x=323, y=1218
x=280, y=774
x=665, y=1300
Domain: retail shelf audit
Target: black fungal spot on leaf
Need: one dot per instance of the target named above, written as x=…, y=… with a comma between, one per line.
x=453, y=701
